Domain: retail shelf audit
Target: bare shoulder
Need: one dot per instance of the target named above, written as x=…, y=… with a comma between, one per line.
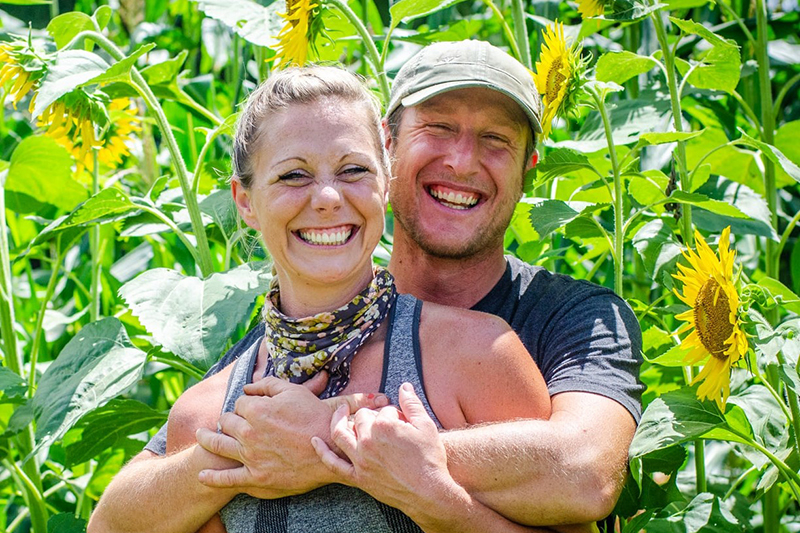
x=476, y=369
x=197, y=407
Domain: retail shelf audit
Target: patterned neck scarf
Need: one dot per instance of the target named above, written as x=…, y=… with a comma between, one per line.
x=300, y=347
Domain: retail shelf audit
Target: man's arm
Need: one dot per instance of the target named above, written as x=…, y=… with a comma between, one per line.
x=566, y=470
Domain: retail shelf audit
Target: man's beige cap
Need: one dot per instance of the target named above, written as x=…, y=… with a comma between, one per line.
x=447, y=66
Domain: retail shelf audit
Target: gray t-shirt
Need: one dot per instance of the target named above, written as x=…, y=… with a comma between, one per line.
x=583, y=337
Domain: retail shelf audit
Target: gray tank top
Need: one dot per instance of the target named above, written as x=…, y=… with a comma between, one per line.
x=335, y=508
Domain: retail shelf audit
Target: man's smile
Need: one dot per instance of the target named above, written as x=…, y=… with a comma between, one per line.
x=453, y=198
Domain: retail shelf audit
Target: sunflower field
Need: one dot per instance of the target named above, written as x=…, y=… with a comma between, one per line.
x=668, y=172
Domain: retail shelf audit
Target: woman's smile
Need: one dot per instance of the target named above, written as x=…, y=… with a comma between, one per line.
x=327, y=237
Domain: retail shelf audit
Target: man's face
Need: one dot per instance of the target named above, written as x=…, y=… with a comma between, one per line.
x=459, y=160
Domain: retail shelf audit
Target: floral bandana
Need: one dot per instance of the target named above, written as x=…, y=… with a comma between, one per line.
x=300, y=347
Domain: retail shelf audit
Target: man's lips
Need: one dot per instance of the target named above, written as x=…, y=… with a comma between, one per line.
x=333, y=236
x=453, y=198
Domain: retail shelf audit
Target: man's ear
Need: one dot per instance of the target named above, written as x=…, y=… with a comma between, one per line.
x=241, y=197
x=534, y=160
x=387, y=135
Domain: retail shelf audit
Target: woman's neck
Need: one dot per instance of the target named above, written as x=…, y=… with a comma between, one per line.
x=301, y=298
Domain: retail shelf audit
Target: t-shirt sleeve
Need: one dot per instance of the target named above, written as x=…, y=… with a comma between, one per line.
x=158, y=443
x=595, y=345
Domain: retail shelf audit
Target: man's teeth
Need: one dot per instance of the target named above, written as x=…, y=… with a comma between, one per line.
x=326, y=239
x=454, y=200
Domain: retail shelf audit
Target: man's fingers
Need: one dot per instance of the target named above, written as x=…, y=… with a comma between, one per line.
x=342, y=432
x=268, y=386
x=412, y=407
x=218, y=443
x=225, y=479
x=336, y=464
x=354, y=402
x=318, y=383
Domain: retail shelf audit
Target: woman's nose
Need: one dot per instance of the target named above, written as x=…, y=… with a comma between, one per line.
x=326, y=198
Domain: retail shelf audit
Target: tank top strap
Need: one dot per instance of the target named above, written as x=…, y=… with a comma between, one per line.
x=402, y=358
x=241, y=375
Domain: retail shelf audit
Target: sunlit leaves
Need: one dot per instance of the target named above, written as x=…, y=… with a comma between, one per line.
x=191, y=317
x=41, y=169
x=251, y=21
x=546, y=216
x=657, y=246
x=71, y=69
x=718, y=68
x=408, y=10
x=622, y=66
x=98, y=364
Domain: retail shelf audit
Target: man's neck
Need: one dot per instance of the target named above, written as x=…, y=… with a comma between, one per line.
x=456, y=282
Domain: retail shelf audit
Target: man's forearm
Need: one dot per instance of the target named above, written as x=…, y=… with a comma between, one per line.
x=144, y=497
x=562, y=471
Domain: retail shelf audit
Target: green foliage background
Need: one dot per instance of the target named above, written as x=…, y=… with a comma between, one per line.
x=119, y=289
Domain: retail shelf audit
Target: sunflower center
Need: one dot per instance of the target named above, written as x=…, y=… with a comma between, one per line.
x=555, y=79
x=712, y=318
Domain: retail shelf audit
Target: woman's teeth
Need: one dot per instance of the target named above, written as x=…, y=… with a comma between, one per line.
x=326, y=238
x=454, y=200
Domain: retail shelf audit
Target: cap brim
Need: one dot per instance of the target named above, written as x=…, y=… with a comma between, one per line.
x=429, y=92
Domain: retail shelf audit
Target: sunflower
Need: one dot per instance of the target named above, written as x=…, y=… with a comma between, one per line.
x=124, y=120
x=296, y=33
x=709, y=290
x=591, y=8
x=559, y=75
x=14, y=69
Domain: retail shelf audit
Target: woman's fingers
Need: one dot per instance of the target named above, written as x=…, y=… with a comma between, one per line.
x=336, y=464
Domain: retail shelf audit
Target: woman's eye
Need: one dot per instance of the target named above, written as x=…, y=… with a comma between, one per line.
x=293, y=176
x=354, y=172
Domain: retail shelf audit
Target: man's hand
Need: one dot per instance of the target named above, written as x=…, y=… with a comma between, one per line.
x=270, y=432
x=397, y=457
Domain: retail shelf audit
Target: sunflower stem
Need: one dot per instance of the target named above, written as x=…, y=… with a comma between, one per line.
x=680, y=152
x=521, y=31
x=619, y=222
x=512, y=41
x=94, y=246
x=203, y=252
x=37, y=329
x=372, y=52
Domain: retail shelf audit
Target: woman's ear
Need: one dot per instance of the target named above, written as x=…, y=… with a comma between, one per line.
x=241, y=197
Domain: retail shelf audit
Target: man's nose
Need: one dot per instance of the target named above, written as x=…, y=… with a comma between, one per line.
x=463, y=158
x=326, y=198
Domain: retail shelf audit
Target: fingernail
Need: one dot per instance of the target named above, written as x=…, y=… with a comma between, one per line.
x=408, y=387
x=381, y=401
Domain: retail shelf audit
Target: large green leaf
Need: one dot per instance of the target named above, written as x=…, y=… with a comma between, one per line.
x=219, y=206
x=648, y=187
x=70, y=70
x=704, y=514
x=775, y=155
x=781, y=294
x=121, y=70
x=41, y=168
x=561, y=162
x=252, y=22
x=786, y=141
x=719, y=67
x=742, y=198
x=622, y=66
x=407, y=10
x=104, y=427
x=66, y=26
x=657, y=247
x=627, y=10
x=191, y=317
x=704, y=202
x=98, y=364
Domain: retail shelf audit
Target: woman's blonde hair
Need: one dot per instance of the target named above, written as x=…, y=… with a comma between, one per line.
x=299, y=85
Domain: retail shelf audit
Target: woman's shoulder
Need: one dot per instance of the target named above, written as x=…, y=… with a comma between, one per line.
x=199, y=406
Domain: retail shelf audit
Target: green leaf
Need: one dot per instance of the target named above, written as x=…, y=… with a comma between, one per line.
x=790, y=377
x=546, y=216
x=12, y=386
x=561, y=162
x=627, y=10
x=786, y=141
x=622, y=66
x=407, y=10
x=704, y=514
x=191, y=317
x=657, y=247
x=673, y=418
x=720, y=66
x=700, y=177
x=219, y=205
x=66, y=523
x=782, y=294
x=108, y=205
x=655, y=338
x=121, y=70
x=41, y=168
x=775, y=155
x=648, y=187
x=102, y=16
x=71, y=69
x=21, y=419
x=66, y=26
x=104, y=427
x=745, y=200
x=674, y=357
x=651, y=139
x=98, y=364
x=253, y=23
x=704, y=202
x=26, y=2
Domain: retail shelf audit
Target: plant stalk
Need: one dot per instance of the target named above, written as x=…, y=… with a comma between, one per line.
x=619, y=222
x=521, y=31
x=372, y=52
x=512, y=40
x=94, y=246
x=37, y=330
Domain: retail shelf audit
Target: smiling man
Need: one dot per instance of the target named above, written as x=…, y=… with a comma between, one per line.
x=461, y=129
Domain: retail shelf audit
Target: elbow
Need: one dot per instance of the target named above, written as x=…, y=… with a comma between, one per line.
x=598, y=490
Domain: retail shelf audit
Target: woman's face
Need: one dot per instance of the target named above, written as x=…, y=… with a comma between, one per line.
x=318, y=193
